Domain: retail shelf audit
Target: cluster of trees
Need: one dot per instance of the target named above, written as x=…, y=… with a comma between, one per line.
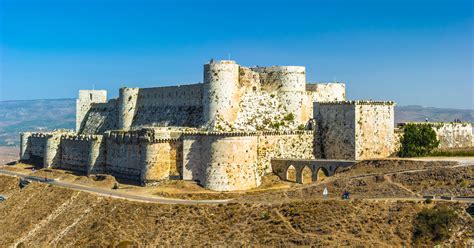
x=418, y=140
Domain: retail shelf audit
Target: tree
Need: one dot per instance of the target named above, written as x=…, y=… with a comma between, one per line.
x=418, y=140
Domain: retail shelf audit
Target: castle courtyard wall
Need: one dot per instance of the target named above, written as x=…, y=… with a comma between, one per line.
x=449, y=134
x=453, y=135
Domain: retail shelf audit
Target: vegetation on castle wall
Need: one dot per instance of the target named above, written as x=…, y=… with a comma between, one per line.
x=417, y=140
x=432, y=226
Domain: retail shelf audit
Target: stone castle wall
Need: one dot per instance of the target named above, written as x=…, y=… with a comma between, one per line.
x=327, y=92
x=449, y=134
x=335, y=131
x=453, y=135
x=218, y=161
x=237, y=161
x=169, y=106
x=374, y=130
x=354, y=129
x=232, y=98
x=84, y=102
x=100, y=118
x=83, y=153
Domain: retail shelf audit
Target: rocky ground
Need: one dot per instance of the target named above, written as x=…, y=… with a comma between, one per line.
x=380, y=213
x=41, y=215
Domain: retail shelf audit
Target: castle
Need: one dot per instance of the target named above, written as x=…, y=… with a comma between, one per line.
x=222, y=133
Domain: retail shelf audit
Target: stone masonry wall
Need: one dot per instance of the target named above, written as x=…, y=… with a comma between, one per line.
x=299, y=146
x=169, y=106
x=100, y=118
x=335, y=131
x=449, y=134
x=83, y=153
x=84, y=102
x=374, y=130
x=453, y=135
x=327, y=92
x=220, y=163
x=232, y=98
x=237, y=161
x=354, y=129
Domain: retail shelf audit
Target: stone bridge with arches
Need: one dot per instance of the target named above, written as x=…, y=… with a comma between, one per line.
x=282, y=167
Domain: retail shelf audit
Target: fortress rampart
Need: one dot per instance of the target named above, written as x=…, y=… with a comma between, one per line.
x=354, y=129
x=217, y=160
x=449, y=134
x=224, y=132
x=231, y=98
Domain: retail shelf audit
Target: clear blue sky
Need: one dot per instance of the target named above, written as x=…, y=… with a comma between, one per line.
x=409, y=51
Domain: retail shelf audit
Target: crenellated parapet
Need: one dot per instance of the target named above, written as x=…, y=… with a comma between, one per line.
x=358, y=102
x=81, y=137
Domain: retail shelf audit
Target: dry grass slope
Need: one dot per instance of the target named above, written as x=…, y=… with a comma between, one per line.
x=41, y=215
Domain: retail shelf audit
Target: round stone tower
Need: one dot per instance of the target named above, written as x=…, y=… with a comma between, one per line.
x=282, y=78
x=289, y=84
x=220, y=92
x=127, y=107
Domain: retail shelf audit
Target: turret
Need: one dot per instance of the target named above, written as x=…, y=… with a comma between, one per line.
x=282, y=78
x=289, y=84
x=84, y=102
x=220, y=91
x=127, y=107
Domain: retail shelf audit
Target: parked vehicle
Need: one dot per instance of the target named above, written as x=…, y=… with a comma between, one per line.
x=2, y=198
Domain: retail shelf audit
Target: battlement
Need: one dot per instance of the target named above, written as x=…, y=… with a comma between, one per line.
x=80, y=137
x=358, y=102
x=222, y=62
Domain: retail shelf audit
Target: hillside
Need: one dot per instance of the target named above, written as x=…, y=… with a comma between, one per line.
x=419, y=113
x=34, y=115
x=381, y=213
x=40, y=115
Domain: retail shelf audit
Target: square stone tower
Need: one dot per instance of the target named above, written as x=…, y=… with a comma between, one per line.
x=84, y=102
x=354, y=129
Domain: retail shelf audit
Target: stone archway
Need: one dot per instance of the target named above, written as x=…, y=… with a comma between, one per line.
x=306, y=175
x=291, y=173
x=321, y=174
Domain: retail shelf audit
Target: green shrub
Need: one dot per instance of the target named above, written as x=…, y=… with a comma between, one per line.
x=289, y=117
x=447, y=153
x=432, y=226
x=417, y=140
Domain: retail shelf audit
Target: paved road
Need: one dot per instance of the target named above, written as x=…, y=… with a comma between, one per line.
x=417, y=199
x=112, y=193
x=464, y=162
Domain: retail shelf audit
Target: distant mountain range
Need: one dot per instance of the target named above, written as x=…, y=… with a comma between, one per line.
x=43, y=115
